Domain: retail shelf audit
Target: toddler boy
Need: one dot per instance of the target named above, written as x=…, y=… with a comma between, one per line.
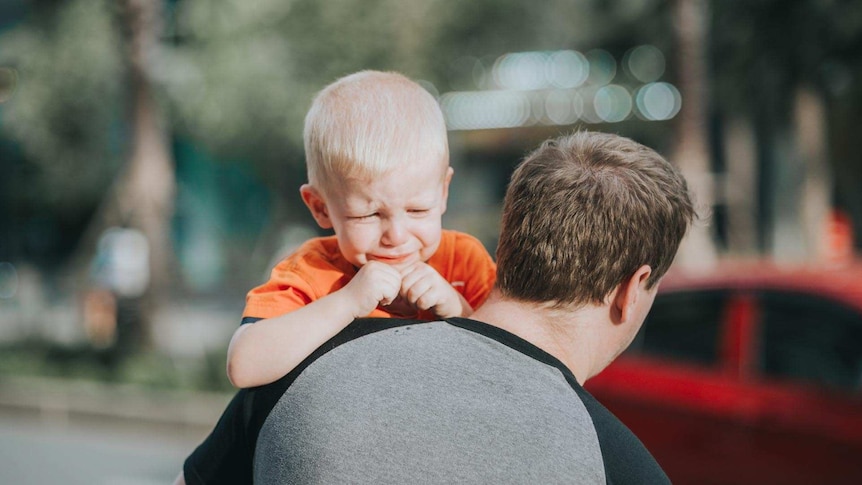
x=378, y=175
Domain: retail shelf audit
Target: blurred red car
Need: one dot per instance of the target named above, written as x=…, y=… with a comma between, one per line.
x=751, y=374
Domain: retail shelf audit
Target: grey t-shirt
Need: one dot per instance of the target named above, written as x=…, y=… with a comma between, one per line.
x=394, y=401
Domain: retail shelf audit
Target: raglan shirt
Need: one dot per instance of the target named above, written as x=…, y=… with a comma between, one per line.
x=318, y=268
x=402, y=401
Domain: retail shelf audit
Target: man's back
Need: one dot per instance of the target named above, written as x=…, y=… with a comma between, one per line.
x=441, y=402
x=392, y=408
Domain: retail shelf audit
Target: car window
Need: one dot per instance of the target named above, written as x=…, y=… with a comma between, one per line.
x=811, y=339
x=683, y=326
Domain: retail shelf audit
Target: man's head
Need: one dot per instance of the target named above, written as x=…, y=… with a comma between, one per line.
x=378, y=167
x=583, y=213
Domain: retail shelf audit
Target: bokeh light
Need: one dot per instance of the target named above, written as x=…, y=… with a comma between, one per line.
x=521, y=71
x=645, y=63
x=537, y=109
x=485, y=109
x=603, y=67
x=613, y=103
x=563, y=107
x=658, y=101
x=567, y=69
x=558, y=88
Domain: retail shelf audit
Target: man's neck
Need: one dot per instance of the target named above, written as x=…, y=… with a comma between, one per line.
x=568, y=335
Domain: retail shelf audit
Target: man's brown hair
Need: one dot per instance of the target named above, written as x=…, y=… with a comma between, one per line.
x=582, y=213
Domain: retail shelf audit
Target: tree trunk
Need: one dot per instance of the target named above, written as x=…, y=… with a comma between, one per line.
x=817, y=186
x=146, y=192
x=691, y=153
x=740, y=186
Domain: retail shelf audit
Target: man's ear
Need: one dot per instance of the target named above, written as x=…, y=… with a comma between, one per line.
x=625, y=299
x=317, y=205
x=449, y=172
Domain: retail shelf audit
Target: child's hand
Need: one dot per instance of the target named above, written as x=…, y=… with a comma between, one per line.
x=423, y=287
x=375, y=283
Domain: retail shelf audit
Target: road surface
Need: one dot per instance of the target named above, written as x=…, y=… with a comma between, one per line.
x=41, y=449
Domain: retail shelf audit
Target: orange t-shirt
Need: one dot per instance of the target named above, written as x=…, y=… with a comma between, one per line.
x=317, y=269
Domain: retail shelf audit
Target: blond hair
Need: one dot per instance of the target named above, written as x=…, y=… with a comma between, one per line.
x=369, y=123
x=582, y=213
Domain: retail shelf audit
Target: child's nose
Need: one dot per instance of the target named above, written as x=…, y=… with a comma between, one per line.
x=395, y=232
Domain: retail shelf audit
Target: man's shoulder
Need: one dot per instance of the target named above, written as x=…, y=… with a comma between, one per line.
x=625, y=457
x=411, y=341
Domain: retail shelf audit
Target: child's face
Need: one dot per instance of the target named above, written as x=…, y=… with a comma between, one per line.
x=394, y=218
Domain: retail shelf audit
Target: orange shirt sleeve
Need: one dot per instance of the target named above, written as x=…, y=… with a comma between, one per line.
x=284, y=292
x=312, y=272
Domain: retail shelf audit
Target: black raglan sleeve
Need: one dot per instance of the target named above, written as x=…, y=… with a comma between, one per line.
x=225, y=456
x=626, y=458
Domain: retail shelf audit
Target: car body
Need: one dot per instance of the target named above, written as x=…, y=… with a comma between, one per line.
x=750, y=372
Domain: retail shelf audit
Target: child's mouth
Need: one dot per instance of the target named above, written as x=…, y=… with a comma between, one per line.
x=393, y=260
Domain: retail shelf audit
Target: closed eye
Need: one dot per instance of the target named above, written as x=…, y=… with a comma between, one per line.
x=419, y=212
x=363, y=217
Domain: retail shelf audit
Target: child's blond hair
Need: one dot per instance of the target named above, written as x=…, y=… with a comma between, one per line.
x=369, y=123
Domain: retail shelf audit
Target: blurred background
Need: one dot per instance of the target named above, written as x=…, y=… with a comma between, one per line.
x=151, y=155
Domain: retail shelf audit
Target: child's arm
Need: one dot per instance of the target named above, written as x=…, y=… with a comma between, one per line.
x=423, y=286
x=266, y=350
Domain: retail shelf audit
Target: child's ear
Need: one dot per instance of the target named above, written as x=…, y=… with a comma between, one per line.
x=449, y=172
x=317, y=205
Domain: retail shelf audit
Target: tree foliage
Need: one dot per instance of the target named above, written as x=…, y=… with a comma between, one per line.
x=65, y=113
x=236, y=77
x=773, y=45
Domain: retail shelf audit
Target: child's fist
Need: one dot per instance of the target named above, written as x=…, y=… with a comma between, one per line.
x=375, y=283
x=423, y=286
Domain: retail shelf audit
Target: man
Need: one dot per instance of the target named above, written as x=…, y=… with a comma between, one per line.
x=590, y=224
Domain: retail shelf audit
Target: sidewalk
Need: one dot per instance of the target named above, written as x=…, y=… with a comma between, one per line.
x=67, y=401
x=181, y=330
